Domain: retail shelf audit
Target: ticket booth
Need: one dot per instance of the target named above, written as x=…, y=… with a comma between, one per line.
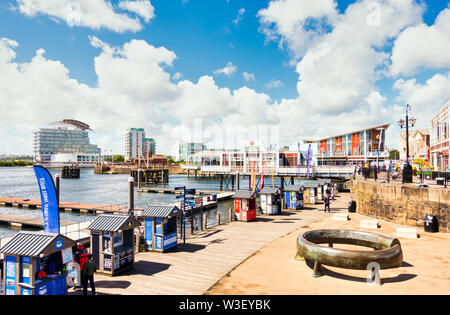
x=160, y=227
x=310, y=191
x=36, y=264
x=324, y=183
x=245, y=205
x=270, y=200
x=112, y=242
x=294, y=197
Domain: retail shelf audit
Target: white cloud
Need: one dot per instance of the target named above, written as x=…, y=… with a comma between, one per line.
x=239, y=17
x=177, y=76
x=248, y=76
x=423, y=47
x=274, y=84
x=143, y=8
x=228, y=70
x=95, y=14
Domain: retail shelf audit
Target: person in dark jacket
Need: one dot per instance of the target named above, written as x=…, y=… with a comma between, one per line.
x=326, y=201
x=87, y=274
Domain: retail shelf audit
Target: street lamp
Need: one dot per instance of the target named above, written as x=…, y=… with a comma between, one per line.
x=407, y=123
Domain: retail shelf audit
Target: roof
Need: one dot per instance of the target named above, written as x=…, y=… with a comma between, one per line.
x=34, y=244
x=323, y=181
x=384, y=126
x=293, y=188
x=270, y=191
x=72, y=122
x=113, y=223
x=310, y=183
x=244, y=194
x=159, y=211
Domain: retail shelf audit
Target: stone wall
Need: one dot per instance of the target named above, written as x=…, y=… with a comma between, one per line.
x=403, y=204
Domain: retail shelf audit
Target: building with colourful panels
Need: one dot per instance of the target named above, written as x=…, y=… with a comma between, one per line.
x=65, y=142
x=440, y=138
x=366, y=145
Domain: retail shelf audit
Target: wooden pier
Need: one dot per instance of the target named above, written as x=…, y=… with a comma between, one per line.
x=221, y=195
x=19, y=221
x=66, y=206
x=70, y=172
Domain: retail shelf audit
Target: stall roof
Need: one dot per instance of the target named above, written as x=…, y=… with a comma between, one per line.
x=270, y=191
x=159, y=211
x=36, y=243
x=113, y=223
x=293, y=188
x=323, y=181
x=243, y=194
x=311, y=184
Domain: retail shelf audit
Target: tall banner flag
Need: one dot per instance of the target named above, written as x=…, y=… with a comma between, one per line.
x=309, y=157
x=262, y=176
x=49, y=202
x=299, y=160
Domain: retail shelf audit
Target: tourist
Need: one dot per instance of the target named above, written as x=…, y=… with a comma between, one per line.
x=80, y=257
x=326, y=201
x=87, y=274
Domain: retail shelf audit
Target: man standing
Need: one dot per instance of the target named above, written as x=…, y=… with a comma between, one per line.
x=80, y=257
x=88, y=275
x=326, y=201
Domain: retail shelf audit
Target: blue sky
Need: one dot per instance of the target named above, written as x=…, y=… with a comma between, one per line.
x=208, y=35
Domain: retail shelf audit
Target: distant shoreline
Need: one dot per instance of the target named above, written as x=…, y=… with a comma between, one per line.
x=15, y=163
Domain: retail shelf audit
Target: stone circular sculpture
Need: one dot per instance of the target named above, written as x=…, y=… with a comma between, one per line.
x=387, y=251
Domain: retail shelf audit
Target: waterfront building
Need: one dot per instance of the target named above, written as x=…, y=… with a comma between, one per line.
x=65, y=142
x=352, y=148
x=419, y=145
x=440, y=138
x=137, y=146
x=186, y=149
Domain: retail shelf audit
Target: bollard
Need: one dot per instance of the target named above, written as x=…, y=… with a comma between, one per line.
x=205, y=221
x=131, y=195
x=218, y=218
x=57, y=178
x=231, y=214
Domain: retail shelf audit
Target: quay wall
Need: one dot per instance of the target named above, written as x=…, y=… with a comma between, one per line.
x=402, y=204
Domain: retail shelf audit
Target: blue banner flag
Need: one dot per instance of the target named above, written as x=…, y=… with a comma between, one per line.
x=309, y=157
x=49, y=202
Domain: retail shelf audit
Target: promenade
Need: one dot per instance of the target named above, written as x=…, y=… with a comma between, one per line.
x=208, y=256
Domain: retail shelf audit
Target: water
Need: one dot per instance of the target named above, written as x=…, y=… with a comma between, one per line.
x=20, y=182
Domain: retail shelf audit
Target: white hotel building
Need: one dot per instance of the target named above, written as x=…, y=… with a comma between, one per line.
x=65, y=142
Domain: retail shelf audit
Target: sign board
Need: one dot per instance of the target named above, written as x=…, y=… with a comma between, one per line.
x=49, y=202
x=67, y=255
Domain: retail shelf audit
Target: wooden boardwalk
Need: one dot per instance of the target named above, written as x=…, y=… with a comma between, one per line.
x=208, y=256
x=66, y=206
x=25, y=221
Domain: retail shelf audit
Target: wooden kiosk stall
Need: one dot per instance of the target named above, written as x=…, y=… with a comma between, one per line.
x=324, y=183
x=160, y=227
x=245, y=205
x=311, y=188
x=293, y=196
x=270, y=200
x=35, y=263
x=112, y=242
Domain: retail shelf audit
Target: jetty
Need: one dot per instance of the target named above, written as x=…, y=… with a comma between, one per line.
x=20, y=221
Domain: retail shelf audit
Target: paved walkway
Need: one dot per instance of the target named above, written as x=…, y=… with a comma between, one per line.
x=208, y=256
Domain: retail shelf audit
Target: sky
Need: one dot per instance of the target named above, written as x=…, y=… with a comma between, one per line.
x=223, y=72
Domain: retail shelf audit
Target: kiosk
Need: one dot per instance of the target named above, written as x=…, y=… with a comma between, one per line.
x=160, y=227
x=35, y=263
x=294, y=197
x=270, y=200
x=324, y=183
x=112, y=242
x=245, y=205
x=310, y=191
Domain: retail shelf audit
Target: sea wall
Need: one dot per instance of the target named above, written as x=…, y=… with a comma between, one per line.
x=403, y=204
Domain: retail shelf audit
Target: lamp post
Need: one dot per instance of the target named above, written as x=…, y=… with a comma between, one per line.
x=407, y=123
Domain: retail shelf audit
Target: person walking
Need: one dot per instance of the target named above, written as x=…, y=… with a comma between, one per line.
x=87, y=275
x=326, y=201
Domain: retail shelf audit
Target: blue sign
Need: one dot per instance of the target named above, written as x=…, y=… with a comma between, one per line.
x=10, y=285
x=49, y=202
x=59, y=243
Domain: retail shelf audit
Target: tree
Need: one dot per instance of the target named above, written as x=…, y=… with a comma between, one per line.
x=119, y=159
x=394, y=155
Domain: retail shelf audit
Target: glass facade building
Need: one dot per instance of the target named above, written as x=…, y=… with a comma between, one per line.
x=65, y=142
x=137, y=145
